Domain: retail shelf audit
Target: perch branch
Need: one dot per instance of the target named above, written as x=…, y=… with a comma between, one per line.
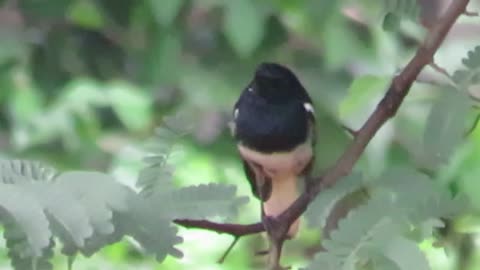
x=386, y=109
x=236, y=230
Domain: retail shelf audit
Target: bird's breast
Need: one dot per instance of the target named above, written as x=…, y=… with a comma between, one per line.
x=279, y=164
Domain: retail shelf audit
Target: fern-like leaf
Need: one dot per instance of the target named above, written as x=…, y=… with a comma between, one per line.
x=464, y=77
x=198, y=202
x=320, y=208
x=372, y=224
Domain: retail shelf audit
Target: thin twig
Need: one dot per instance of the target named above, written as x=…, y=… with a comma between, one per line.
x=350, y=131
x=387, y=108
x=470, y=13
x=441, y=70
x=474, y=125
x=230, y=247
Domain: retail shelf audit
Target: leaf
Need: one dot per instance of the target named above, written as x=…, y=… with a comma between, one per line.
x=86, y=14
x=27, y=214
x=244, y=26
x=131, y=105
x=165, y=11
x=472, y=61
x=403, y=8
x=391, y=22
x=146, y=223
x=67, y=216
x=23, y=263
x=361, y=93
x=445, y=126
x=101, y=197
x=50, y=8
x=163, y=62
x=466, y=77
x=198, y=202
x=319, y=210
x=380, y=262
x=12, y=171
x=12, y=46
x=371, y=225
x=406, y=254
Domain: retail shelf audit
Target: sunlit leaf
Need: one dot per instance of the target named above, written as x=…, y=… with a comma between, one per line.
x=86, y=13
x=131, y=105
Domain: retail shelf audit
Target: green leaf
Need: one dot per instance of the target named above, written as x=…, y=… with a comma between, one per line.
x=132, y=106
x=44, y=8
x=86, y=13
x=165, y=11
x=466, y=77
x=12, y=46
x=391, y=22
x=146, y=223
x=380, y=262
x=22, y=263
x=403, y=8
x=319, y=210
x=28, y=215
x=163, y=59
x=13, y=171
x=198, y=202
x=102, y=197
x=445, y=126
x=67, y=216
x=472, y=61
x=406, y=254
x=244, y=26
x=371, y=225
x=361, y=93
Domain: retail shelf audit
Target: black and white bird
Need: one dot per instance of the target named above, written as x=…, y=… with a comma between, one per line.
x=274, y=126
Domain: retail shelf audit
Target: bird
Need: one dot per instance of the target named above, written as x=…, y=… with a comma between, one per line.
x=273, y=124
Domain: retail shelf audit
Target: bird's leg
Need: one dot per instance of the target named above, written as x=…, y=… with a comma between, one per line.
x=277, y=235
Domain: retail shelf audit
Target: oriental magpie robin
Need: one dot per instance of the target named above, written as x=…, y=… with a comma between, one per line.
x=274, y=126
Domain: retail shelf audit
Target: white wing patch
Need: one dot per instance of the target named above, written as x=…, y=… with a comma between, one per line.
x=250, y=89
x=231, y=124
x=309, y=107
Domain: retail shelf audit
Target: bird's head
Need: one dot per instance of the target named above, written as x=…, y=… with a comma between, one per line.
x=276, y=83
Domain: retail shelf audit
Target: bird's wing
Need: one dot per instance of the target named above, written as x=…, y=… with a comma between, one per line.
x=260, y=184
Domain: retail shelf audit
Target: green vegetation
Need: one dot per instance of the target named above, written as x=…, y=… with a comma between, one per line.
x=114, y=122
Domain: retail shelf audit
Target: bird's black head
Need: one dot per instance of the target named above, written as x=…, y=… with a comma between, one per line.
x=276, y=83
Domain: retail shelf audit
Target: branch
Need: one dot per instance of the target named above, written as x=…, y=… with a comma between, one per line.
x=236, y=230
x=386, y=109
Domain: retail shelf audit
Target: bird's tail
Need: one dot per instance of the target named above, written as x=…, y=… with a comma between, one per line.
x=284, y=193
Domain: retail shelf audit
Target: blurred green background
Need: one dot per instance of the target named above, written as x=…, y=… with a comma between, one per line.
x=83, y=83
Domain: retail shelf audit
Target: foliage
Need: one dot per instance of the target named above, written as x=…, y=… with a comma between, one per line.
x=403, y=204
x=87, y=210
x=84, y=83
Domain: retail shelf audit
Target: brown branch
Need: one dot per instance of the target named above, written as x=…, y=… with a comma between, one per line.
x=386, y=109
x=237, y=230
